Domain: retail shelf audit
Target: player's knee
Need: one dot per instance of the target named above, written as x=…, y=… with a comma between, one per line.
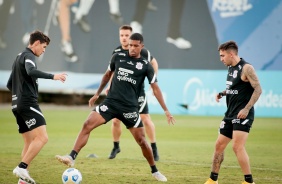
x=116, y=122
x=237, y=148
x=43, y=138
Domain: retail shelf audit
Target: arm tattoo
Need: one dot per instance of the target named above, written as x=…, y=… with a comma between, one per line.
x=249, y=72
x=217, y=160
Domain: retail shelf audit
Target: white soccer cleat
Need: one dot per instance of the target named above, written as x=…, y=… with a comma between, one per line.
x=159, y=176
x=23, y=175
x=66, y=159
x=67, y=49
x=21, y=181
x=179, y=42
x=136, y=27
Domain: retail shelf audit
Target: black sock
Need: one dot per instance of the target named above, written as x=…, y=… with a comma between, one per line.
x=73, y=154
x=154, y=169
x=23, y=165
x=214, y=176
x=249, y=178
x=154, y=146
x=116, y=145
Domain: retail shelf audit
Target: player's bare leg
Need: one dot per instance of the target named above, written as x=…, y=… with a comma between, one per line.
x=139, y=136
x=150, y=132
x=116, y=132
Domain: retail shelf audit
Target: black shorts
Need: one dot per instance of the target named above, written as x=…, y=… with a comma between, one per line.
x=227, y=126
x=143, y=105
x=29, y=118
x=128, y=115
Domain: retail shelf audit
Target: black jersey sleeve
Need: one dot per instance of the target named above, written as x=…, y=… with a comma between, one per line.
x=32, y=71
x=146, y=54
x=9, y=83
x=152, y=77
x=112, y=65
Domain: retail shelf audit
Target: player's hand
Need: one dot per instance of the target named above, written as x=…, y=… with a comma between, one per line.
x=170, y=118
x=243, y=114
x=92, y=100
x=217, y=97
x=61, y=76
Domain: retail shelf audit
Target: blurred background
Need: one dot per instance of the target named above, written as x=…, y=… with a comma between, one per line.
x=183, y=35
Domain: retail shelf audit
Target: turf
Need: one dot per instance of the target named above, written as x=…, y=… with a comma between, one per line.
x=185, y=151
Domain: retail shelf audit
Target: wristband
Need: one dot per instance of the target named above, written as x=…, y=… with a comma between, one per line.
x=221, y=94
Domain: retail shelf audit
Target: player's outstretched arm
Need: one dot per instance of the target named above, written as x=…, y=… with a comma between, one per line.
x=219, y=95
x=61, y=77
x=105, y=79
x=158, y=94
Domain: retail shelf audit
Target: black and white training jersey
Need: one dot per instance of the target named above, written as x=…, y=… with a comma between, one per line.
x=23, y=81
x=128, y=78
x=238, y=92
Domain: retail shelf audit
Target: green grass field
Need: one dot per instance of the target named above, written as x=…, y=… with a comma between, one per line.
x=185, y=151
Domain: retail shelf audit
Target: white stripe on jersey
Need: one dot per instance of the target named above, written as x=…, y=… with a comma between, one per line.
x=109, y=68
x=143, y=104
x=244, y=122
x=35, y=110
x=153, y=79
x=138, y=122
x=149, y=56
x=29, y=61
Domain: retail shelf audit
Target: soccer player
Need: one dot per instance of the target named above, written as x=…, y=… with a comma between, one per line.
x=23, y=83
x=129, y=72
x=124, y=33
x=242, y=92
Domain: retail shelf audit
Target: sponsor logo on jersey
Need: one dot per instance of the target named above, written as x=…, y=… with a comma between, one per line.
x=232, y=92
x=121, y=54
x=236, y=121
x=131, y=115
x=130, y=63
x=30, y=122
x=123, y=75
x=104, y=108
x=139, y=66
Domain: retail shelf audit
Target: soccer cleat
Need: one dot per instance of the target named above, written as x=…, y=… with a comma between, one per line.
x=179, y=42
x=116, y=18
x=114, y=153
x=159, y=176
x=136, y=27
x=66, y=159
x=67, y=49
x=21, y=181
x=248, y=182
x=156, y=155
x=23, y=174
x=83, y=24
x=151, y=6
x=210, y=181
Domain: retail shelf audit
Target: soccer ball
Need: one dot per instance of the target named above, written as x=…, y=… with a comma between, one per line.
x=71, y=176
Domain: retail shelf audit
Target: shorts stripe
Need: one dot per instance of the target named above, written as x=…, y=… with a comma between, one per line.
x=143, y=104
x=138, y=122
x=35, y=110
x=97, y=109
x=244, y=122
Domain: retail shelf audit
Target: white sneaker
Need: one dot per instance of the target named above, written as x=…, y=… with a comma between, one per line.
x=159, y=176
x=136, y=27
x=179, y=42
x=23, y=174
x=21, y=181
x=67, y=49
x=66, y=159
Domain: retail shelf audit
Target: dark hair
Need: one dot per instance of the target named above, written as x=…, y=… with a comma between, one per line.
x=230, y=45
x=136, y=36
x=125, y=27
x=38, y=35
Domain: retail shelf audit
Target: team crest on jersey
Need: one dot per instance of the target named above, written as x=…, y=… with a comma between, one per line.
x=139, y=66
x=235, y=74
x=103, y=108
